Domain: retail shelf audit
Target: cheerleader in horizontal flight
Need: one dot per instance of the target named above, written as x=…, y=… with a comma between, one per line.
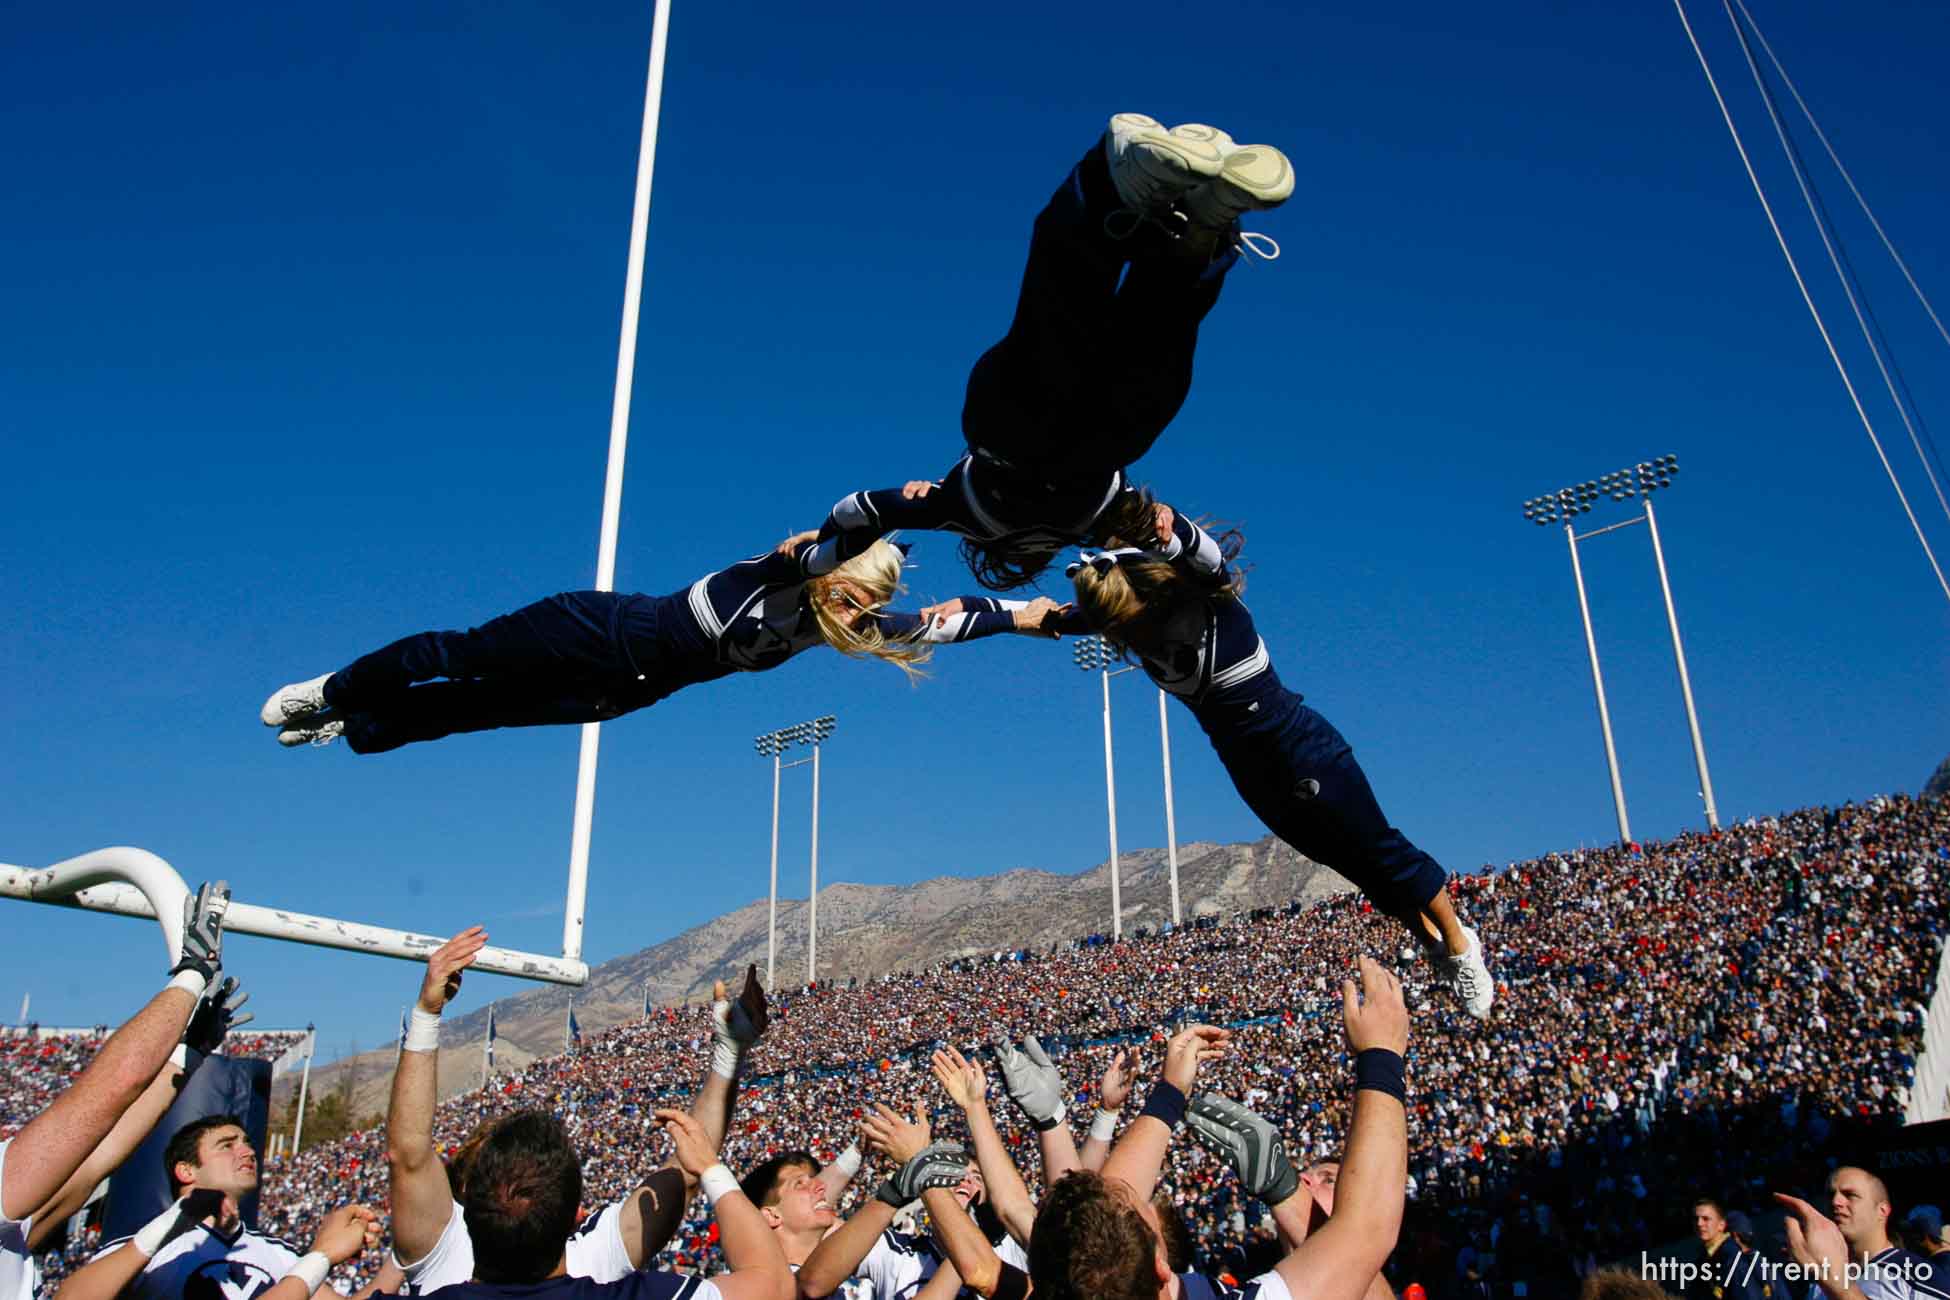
x=589, y=656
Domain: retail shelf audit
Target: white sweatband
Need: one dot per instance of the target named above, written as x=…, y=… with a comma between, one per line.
x=312, y=1268
x=180, y=1058
x=848, y=1161
x=716, y=1182
x=1104, y=1126
x=725, y=1058
x=190, y=981
x=423, y=1032
x=149, y=1238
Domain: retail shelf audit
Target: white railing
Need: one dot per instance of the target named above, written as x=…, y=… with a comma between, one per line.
x=135, y=882
x=1929, y=1095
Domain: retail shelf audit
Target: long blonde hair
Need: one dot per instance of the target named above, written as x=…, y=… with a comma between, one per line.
x=878, y=570
x=1126, y=600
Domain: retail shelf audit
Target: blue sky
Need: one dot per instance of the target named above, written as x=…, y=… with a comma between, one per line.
x=308, y=340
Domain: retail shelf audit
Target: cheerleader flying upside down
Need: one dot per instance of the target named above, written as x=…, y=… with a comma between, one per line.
x=1124, y=263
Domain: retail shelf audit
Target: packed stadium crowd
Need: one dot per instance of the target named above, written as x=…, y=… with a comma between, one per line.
x=1702, y=1017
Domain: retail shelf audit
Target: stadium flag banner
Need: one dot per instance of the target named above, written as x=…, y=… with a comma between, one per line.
x=217, y=1085
x=575, y=1029
x=646, y=1002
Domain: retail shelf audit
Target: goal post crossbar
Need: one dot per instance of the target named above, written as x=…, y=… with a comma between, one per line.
x=133, y=882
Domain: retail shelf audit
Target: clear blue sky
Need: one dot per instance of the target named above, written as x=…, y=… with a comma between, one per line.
x=307, y=342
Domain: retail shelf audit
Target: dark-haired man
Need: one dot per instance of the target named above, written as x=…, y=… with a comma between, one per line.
x=198, y=1248
x=524, y=1191
x=1097, y=1237
x=50, y=1166
x=431, y=1238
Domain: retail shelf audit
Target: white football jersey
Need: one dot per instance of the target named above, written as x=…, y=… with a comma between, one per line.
x=595, y=1251
x=18, y=1276
x=204, y=1264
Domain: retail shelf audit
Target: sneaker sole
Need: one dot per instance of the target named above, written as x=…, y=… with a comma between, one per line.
x=1260, y=172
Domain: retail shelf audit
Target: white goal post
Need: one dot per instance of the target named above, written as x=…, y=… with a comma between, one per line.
x=134, y=882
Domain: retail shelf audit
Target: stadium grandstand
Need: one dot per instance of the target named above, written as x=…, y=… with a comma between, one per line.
x=1722, y=1015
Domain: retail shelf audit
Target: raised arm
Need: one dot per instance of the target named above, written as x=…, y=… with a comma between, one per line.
x=1113, y=1090
x=55, y=1144
x=1140, y=1153
x=758, y=1267
x=970, y=618
x=652, y=1213
x=967, y=1086
x=1036, y=1086
x=423, y=1202
x=215, y=1016
x=1340, y=1260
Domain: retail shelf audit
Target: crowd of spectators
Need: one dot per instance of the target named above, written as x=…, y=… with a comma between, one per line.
x=1704, y=1014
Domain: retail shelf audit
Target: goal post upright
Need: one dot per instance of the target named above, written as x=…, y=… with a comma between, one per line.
x=575, y=903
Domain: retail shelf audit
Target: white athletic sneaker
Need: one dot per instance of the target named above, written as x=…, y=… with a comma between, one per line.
x=1151, y=167
x=312, y=733
x=298, y=700
x=1252, y=178
x=1468, y=977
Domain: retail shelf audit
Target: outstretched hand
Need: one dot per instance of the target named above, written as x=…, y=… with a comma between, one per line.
x=1190, y=1048
x=1115, y=1087
x=695, y=1152
x=442, y=982
x=962, y=1079
x=1038, y=616
x=1163, y=519
x=895, y=1136
x=1376, y=1016
x=797, y=540
x=915, y=489
x=1816, y=1243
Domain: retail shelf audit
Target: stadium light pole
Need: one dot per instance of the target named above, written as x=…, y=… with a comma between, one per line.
x=1563, y=506
x=773, y=744
x=1093, y=655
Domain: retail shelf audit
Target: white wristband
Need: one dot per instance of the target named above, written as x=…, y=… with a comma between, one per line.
x=190, y=981
x=423, y=1032
x=849, y=1160
x=716, y=1182
x=150, y=1237
x=1104, y=1126
x=725, y=1058
x=312, y=1268
x=180, y=1058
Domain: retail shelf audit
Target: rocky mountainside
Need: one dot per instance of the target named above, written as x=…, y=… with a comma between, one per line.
x=865, y=930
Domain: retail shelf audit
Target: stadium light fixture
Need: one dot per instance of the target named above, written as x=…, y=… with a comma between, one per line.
x=1633, y=482
x=773, y=744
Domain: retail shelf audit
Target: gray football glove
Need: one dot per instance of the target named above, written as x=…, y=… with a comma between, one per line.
x=217, y=1015
x=1033, y=1082
x=942, y=1164
x=1247, y=1142
x=203, y=931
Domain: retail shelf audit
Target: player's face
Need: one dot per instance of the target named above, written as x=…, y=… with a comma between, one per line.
x=225, y=1162
x=1852, y=1202
x=971, y=1188
x=1707, y=1223
x=802, y=1202
x=1320, y=1180
x=851, y=601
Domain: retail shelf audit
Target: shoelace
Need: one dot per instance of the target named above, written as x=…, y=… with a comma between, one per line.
x=1123, y=223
